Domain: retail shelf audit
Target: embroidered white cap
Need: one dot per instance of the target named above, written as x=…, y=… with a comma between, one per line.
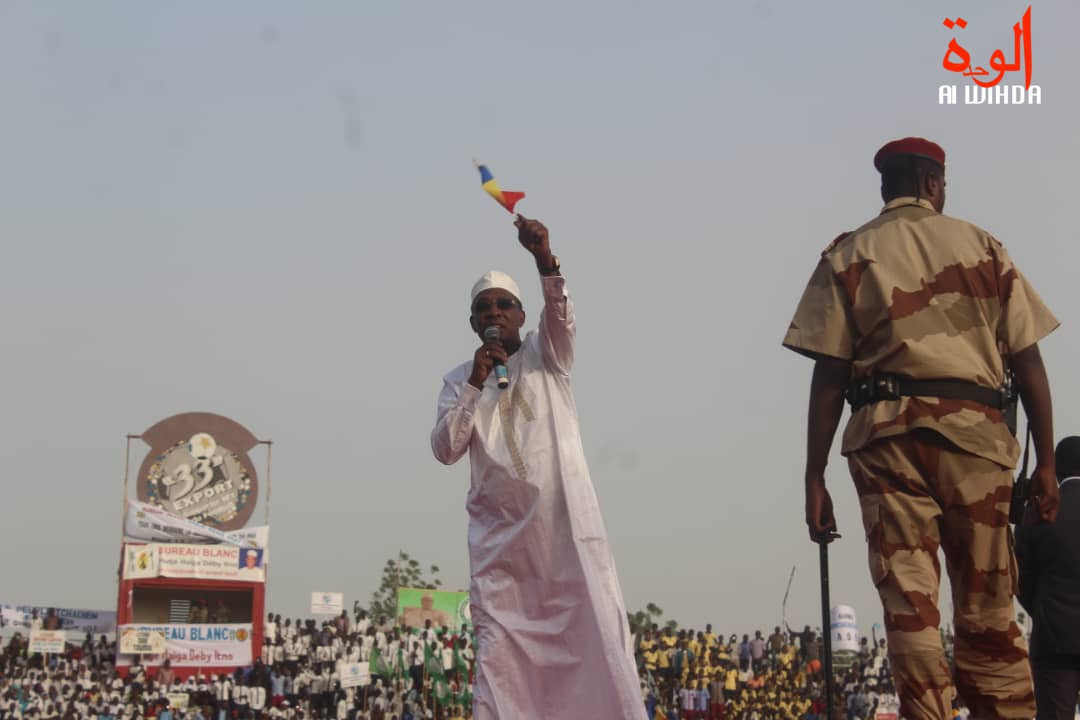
x=495, y=279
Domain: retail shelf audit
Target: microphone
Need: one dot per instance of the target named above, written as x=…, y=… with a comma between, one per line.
x=493, y=333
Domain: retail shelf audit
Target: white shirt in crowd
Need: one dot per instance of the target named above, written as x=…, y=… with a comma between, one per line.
x=257, y=697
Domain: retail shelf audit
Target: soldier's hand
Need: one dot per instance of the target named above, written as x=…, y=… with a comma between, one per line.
x=484, y=362
x=533, y=236
x=820, y=520
x=1044, y=493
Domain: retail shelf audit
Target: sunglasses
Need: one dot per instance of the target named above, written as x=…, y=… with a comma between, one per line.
x=483, y=306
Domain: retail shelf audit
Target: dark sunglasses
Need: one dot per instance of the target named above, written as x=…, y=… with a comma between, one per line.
x=482, y=306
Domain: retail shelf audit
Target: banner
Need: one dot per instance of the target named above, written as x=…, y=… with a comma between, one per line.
x=144, y=522
x=845, y=632
x=888, y=708
x=355, y=675
x=47, y=641
x=178, y=701
x=96, y=622
x=141, y=642
x=323, y=603
x=441, y=607
x=207, y=562
x=195, y=645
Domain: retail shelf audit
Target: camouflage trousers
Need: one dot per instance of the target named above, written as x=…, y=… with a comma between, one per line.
x=918, y=492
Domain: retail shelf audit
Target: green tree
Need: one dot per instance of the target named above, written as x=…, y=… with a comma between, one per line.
x=403, y=571
x=644, y=619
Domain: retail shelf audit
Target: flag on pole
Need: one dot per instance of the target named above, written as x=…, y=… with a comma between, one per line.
x=439, y=685
x=506, y=198
x=379, y=665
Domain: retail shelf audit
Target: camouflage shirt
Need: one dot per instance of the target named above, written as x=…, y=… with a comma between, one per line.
x=923, y=295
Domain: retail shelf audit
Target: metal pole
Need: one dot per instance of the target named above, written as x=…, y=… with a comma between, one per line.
x=269, y=455
x=124, y=499
x=826, y=628
x=783, y=605
x=127, y=470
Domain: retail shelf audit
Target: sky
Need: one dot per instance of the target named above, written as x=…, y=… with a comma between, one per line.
x=268, y=210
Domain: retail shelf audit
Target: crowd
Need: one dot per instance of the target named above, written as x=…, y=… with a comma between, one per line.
x=701, y=676
x=427, y=673
x=415, y=673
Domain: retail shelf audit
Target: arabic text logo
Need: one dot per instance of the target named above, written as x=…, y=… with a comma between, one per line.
x=958, y=60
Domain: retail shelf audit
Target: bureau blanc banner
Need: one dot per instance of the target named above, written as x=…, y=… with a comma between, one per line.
x=195, y=645
x=207, y=562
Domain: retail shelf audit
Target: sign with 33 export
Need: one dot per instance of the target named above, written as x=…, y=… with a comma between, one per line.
x=198, y=468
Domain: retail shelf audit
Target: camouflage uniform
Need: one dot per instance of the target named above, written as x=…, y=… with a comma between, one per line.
x=926, y=296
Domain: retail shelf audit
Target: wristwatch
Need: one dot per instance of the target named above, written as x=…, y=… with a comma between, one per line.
x=555, y=265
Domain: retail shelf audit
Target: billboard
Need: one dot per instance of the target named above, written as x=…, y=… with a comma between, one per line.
x=327, y=603
x=203, y=646
x=144, y=522
x=75, y=620
x=204, y=562
x=198, y=468
x=441, y=607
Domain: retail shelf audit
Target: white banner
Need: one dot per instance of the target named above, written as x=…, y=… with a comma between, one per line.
x=355, y=674
x=47, y=641
x=144, y=522
x=178, y=701
x=888, y=708
x=323, y=603
x=208, y=562
x=845, y=631
x=97, y=622
x=141, y=642
x=196, y=645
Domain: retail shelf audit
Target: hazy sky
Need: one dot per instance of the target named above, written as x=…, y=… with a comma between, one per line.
x=268, y=210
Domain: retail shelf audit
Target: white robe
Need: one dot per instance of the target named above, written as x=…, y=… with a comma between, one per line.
x=552, y=636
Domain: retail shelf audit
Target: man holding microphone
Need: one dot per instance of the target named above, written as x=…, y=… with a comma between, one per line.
x=551, y=628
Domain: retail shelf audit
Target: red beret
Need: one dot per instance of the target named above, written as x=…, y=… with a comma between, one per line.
x=919, y=147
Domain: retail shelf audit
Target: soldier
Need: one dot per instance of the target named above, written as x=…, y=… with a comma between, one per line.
x=915, y=318
x=1049, y=558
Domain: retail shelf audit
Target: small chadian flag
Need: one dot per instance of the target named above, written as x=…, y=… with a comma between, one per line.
x=506, y=198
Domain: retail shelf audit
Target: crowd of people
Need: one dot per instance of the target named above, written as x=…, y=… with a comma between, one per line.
x=414, y=673
x=428, y=673
x=703, y=676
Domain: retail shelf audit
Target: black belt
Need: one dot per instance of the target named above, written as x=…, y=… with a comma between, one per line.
x=868, y=390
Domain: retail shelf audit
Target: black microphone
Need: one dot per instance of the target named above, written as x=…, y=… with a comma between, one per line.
x=493, y=333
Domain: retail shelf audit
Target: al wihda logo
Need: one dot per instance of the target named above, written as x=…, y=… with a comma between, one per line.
x=985, y=90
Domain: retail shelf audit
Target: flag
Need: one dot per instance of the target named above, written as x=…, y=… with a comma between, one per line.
x=378, y=664
x=433, y=663
x=463, y=697
x=439, y=685
x=506, y=198
x=459, y=662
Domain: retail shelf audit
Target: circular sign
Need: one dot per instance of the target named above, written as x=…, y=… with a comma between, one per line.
x=464, y=612
x=198, y=469
x=201, y=481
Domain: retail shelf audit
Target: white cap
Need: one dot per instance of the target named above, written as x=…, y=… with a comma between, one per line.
x=495, y=279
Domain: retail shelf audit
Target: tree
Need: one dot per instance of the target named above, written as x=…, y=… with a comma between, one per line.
x=404, y=571
x=644, y=619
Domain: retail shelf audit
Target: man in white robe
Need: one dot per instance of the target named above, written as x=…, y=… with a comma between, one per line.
x=552, y=636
